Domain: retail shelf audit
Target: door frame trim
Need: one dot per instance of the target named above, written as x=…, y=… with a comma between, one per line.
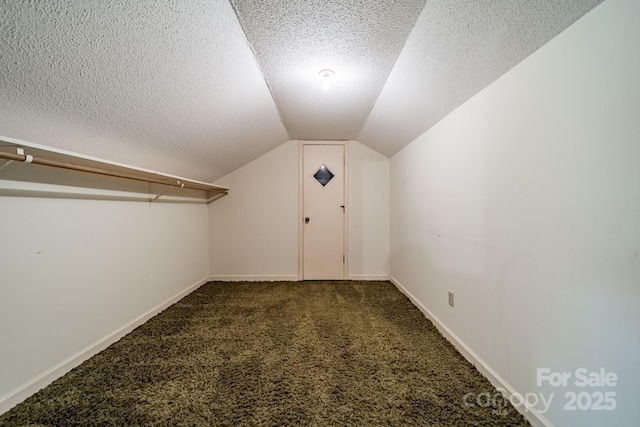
x=345, y=245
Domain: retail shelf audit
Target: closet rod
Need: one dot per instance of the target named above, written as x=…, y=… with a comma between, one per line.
x=159, y=179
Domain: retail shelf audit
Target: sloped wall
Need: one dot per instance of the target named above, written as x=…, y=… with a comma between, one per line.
x=525, y=202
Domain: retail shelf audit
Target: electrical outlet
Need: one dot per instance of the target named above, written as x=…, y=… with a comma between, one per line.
x=451, y=301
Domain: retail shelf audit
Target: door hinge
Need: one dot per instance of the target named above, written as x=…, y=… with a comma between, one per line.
x=343, y=259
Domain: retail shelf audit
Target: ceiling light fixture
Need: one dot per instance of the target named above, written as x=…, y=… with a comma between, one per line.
x=326, y=75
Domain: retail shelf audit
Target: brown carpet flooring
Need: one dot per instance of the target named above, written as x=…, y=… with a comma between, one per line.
x=272, y=354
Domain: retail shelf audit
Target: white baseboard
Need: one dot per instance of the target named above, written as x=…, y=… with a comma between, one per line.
x=254, y=278
x=530, y=413
x=25, y=390
x=367, y=277
x=291, y=278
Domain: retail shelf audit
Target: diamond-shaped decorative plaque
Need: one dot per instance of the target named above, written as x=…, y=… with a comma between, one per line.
x=323, y=176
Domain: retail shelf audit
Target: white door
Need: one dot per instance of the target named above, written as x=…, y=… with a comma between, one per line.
x=323, y=212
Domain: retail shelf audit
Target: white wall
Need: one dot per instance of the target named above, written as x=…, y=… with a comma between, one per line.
x=77, y=274
x=525, y=202
x=254, y=230
x=368, y=213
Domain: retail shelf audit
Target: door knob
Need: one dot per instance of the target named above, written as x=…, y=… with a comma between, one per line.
x=306, y=220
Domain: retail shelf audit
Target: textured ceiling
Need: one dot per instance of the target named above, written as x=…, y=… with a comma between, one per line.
x=457, y=48
x=200, y=87
x=166, y=85
x=358, y=39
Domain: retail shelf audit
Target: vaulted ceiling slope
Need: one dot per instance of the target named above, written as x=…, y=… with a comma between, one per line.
x=199, y=88
x=160, y=84
x=456, y=49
